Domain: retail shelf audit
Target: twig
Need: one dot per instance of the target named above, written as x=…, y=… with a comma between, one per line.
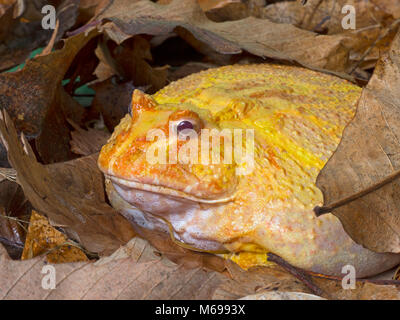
x=379, y=38
x=381, y=282
x=300, y=274
x=329, y=208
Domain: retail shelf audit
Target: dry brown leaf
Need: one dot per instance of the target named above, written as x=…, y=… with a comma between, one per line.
x=42, y=238
x=14, y=217
x=112, y=100
x=189, y=68
x=8, y=174
x=20, y=36
x=327, y=15
x=7, y=21
x=258, y=36
x=71, y=194
x=87, y=142
x=67, y=14
x=364, y=290
x=133, y=272
x=366, y=43
x=18, y=39
x=147, y=275
x=271, y=295
x=367, y=155
x=133, y=58
x=264, y=279
x=182, y=256
x=130, y=60
x=38, y=103
x=229, y=10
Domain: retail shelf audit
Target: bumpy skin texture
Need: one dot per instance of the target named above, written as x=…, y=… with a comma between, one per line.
x=298, y=116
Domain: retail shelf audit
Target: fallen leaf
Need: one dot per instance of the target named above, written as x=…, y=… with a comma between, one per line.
x=71, y=194
x=364, y=290
x=326, y=16
x=271, y=295
x=19, y=38
x=179, y=255
x=38, y=103
x=229, y=10
x=360, y=182
x=147, y=275
x=130, y=60
x=87, y=142
x=112, y=100
x=365, y=43
x=90, y=8
x=7, y=21
x=14, y=217
x=189, y=68
x=260, y=37
x=42, y=238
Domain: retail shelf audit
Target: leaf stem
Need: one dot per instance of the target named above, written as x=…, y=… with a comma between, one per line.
x=329, y=208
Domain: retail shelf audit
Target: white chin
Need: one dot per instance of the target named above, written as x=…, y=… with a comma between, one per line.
x=155, y=203
x=143, y=207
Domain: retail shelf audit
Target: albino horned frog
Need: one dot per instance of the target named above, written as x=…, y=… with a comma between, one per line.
x=297, y=117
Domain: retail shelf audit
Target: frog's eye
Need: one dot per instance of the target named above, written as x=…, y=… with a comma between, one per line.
x=191, y=124
x=186, y=119
x=185, y=124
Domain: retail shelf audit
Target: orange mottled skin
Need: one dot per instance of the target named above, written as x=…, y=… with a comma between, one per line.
x=298, y=117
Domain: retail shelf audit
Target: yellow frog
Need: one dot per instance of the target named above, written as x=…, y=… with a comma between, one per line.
x=294, y=120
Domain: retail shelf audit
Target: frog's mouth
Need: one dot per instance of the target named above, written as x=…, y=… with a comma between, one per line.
x=161, y=190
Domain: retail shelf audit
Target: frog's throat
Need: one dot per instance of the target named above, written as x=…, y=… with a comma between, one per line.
x=166, y=191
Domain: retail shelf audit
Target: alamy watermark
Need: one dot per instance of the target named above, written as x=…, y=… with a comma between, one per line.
x=237, y=147
x=49, y=20
x=349, y=20
x=49, y=280
x=349, y=280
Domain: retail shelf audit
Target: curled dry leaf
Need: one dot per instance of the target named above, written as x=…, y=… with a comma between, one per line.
x=147, y=275
x=228, y=10
x=42, y=238
x=18, y=39
x=365, y=44
x=364, y=289
x=282, y=296
x=14, y=217
x=260, y=37
x=71, y=194
x=6, y=18
x=130, y=60
x=37, y=102
x=326, y=16
x=182, y=256
x=21, y=35
x=266, y=279
x=112, y=100
x=189, y=68
x=87, y=142
x=361, y=181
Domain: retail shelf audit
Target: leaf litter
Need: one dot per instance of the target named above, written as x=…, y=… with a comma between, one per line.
x=110, y=46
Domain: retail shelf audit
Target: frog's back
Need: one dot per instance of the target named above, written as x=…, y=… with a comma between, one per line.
x=236, y=90
x=298, y=114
